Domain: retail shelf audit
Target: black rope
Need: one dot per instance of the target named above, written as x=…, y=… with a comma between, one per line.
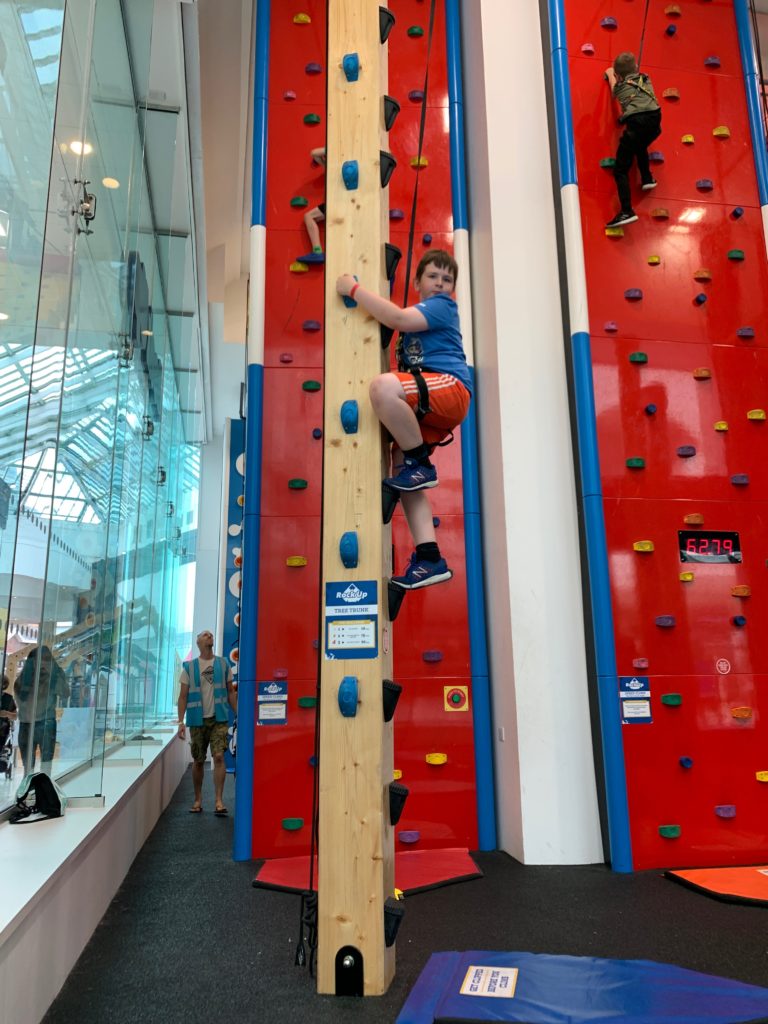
x=422, y=126
x=642, y=35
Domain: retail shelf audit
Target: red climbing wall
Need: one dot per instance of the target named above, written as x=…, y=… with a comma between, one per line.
x=674, y=383
x=431, y=639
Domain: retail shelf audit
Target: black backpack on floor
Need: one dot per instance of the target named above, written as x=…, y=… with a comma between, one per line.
x=37, y=799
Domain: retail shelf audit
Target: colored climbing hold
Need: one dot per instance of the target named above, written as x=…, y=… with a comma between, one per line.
x=722, y=132
x=665, y=621
x=686, y=451
x=650, y=409
x=349, y=549
x=614, y=232
x=687, y=140
x=712, y=61
x=633, y=294
x=311, y=325
x=610, y=326
x=756, y=414
x=635, y=462
x=350, y=416
x=311, y=119
x=415, y=31
x=436, y=758
x=761, y=776
x=397, y=773
x=671, y=94
x=672, y=700
x=348, y=696
x=654, y=261
x=295, y=561
x=396, y=214
x=301, y=19
x=739, y=621
x=279, y=673
x=432, y=656
x=638, y=357
x=736, y=254
x=297, y=484
x=350, y=64
x=307, y=702
x=292, y=824
x=313, y=68
x=313, y=761
x=640, y=663
x=742, y=713
x=721, y=426
x=670, y=30
x=700, y=299
x=609, y=23
x=737, y=211
x=286, y=357
x=702, y=274
x=702, y=373
x=317, y=433
x=299, y=201
x=391, y=110
x=740, y=479
x=608, y=161
x=418, y=162
x=673, y=11
x=660, y=213
x=745, y=332
x=412, y=836
x=643, y=546
x=416, y=95
x=685, y=762
x=670, y=831
x=694, y=519
x=687, y=577
x=298, y=268
x=655, y=156
x=588, y=49
x=741, y=590
x=725, y=810
x=289, y=95
x=705, y=184
x=426, y=239
x=436, y=521
x=350, y=175
x=311, y=385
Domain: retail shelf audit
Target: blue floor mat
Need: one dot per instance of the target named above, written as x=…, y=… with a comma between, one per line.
x=535, y=988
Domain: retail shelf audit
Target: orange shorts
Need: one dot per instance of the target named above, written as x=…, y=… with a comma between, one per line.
x=448, y=403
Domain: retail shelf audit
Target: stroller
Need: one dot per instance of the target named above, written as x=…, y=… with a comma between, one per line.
x=6, y=748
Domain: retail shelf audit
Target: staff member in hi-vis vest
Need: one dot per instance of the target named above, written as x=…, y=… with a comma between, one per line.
x=206, y=689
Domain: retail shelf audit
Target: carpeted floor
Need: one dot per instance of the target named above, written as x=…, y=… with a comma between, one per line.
x=188, y=939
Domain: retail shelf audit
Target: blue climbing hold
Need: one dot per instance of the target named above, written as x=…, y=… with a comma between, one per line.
x=348, y=696
x=351, y=66
x=670, y=30
x=348, y=549
x=705, y=184
x=686, y=451
x=427, y=239
x=435, y=521
x=317, y=433
x=432, y=656
x=348, y=301
x=350, y=174
x=396, y=214
x=633, y=294
x=712, y=62
x=700, y=299
x=650, y=409
x=656, y=156
x=745, y=332
x=737, y=211
x=739, y=620
x=665, y=621
x=416, y=95
x=609, y=23
x=740, y=479
x=686, y=762
x=350, y=416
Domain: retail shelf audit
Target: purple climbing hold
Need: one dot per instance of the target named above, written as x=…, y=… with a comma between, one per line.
x=317, y=433
x=712, y=62
x=289, y=95
x=313, y=68
x=396, y=215
x=426, y=239
x=588, y=49
x=640, y=663
x=665, y=621
x=745, y=332
x=409, y=837
x=686, y=451
x=279, y=673
x=725, y=810
x=609, y=23
x=286, y=357
x=432, y=656
x=311, y=325
x=705, y=185
x=416, y=95
x=656, y=156
x=740, y=479
x=633, y=294
x=610, y=327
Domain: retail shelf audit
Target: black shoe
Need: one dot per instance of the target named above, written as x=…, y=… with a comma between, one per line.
x=648, y=185
x=621, y=219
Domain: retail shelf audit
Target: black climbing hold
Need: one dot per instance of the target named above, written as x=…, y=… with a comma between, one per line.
x=391, y=110
x=390, y=696
x=394, y=911
x=386, y=23
x=398, y=794
x=389, y=500
x=387, y=167
x=395, y=597
x=392, y=256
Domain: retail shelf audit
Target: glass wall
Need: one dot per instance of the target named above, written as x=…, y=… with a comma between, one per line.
x=99, y=476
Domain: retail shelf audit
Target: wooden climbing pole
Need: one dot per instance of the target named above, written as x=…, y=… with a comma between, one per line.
x=356, y=855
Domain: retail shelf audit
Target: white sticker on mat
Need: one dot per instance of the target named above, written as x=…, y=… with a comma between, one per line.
x=490, y=981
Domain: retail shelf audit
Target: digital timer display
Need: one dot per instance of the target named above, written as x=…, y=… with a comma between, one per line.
x=709, y=546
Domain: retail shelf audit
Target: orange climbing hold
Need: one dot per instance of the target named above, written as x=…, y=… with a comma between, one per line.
x=694, y=519
x=660, y=213
x=742, y=590
x=702, y=373
x=702, y=274
x=741, y=713
x=671, y=94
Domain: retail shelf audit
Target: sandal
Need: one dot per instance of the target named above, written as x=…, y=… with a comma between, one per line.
x=221, y=812
x=196, y=809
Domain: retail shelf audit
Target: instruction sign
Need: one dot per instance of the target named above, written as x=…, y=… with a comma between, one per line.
x=272, y=702
x=352, y=619
x=635, y=697
x=490, y=981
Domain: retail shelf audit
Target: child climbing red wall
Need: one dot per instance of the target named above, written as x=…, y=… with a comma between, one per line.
x=434, y=751
x=679, y=332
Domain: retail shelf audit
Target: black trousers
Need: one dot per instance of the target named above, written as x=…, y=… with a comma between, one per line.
x=639, y=132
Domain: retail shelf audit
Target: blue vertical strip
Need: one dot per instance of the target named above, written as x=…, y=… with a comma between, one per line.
x=481, y=699
x=591, y=487
x=249, y=594
x=752, y=87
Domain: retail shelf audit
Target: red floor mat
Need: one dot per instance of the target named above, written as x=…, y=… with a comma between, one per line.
x=734, y=885
x=415, y=871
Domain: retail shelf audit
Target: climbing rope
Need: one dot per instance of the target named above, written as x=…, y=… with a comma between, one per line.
x=642, y=35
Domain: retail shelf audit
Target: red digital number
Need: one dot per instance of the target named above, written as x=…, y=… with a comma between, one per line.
x=690, y=545
x=703, y=545
x=728, y=546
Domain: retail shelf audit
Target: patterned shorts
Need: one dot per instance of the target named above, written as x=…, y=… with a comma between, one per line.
x=448, y=401
x=210, y=732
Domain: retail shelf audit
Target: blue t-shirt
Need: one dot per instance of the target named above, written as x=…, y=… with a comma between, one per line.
x=439, y=348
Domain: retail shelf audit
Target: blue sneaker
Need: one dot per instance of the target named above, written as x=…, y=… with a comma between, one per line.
x=421, y=573
x=413, y=477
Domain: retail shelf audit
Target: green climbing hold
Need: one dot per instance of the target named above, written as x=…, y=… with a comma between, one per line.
x=638, y=357
x=415, y=31
x=297, y=484
x=307, y=702
x=299, y=201
x=311, y=119
x=293, y=824
x=670, y=831
x=674, y=700
x=735, y=254
x=311, y=385
x=608, y=161
x=635, y=463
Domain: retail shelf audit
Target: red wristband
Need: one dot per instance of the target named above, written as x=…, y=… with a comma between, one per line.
x=353, y=289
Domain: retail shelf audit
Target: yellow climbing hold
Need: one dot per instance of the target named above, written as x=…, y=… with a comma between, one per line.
x=742, y=590
x=419, y=161
x=643, y=545
x=436, y=758
x=761, y=776
x=295, y=561
x=722, y=132
x=614, y=232
x=297, y=267
x=654, y=261
x=302, y=19
x=398, y=894
x=687, y=140
x=687, y=577
x=397, y=774
x=756, y=414
x=721, y=426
